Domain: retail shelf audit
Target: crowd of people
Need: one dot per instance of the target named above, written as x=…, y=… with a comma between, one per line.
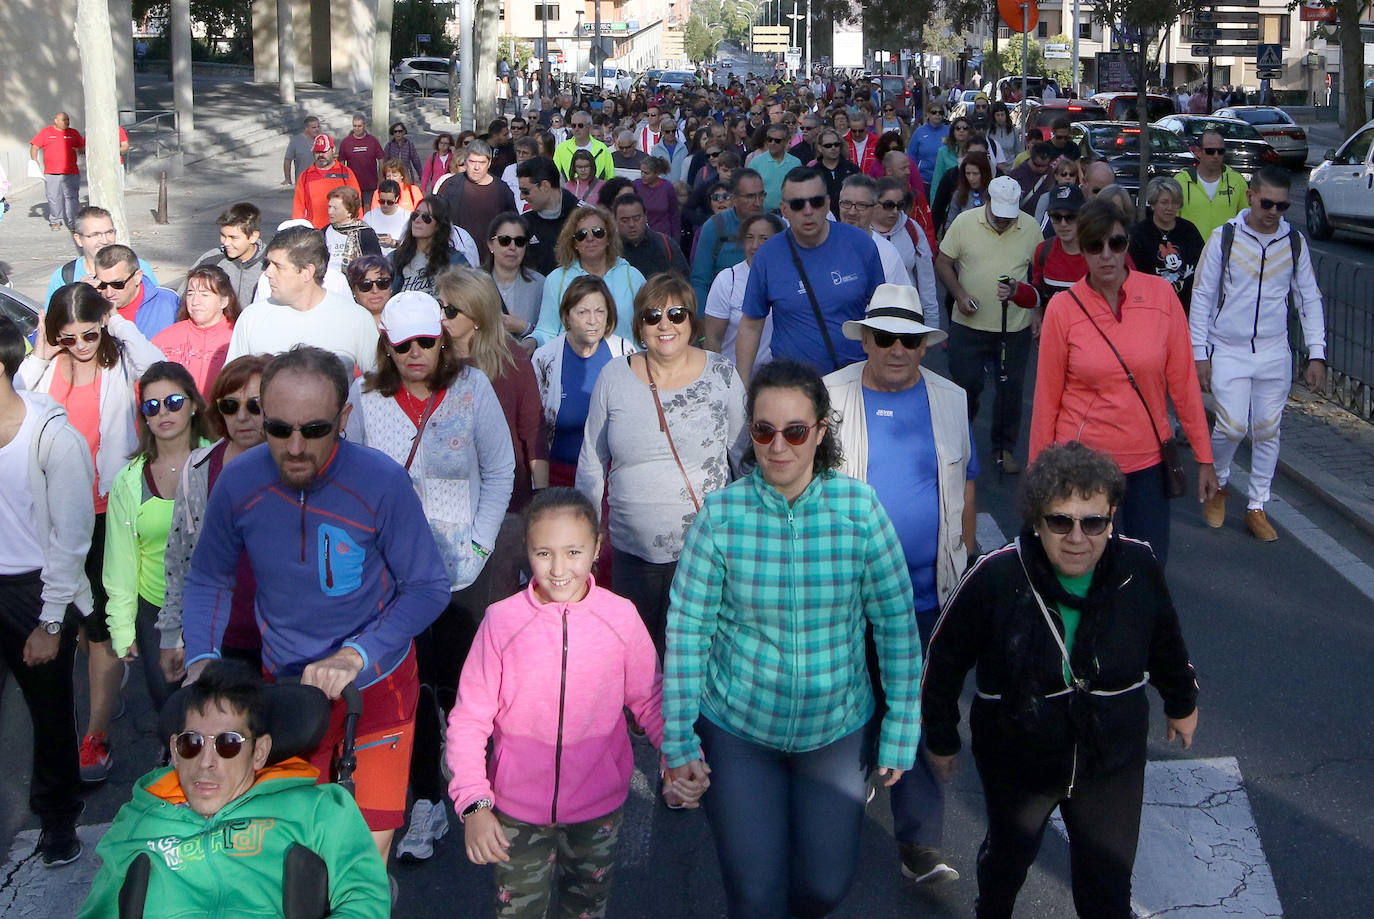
x=613, y=425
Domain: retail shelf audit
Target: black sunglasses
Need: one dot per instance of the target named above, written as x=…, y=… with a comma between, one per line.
x=830, y=145
x=1063, y=218
x=598, y=232
x=1062, y=524
x=387, y=201
x=1214, y=151
x=910, y=340
x=763, y=433
x=173, y=403
x=230, y=406
x=504, y=240
x=777, y=140
x=311, y=430
x=427, y=218
x=117, y=285
x=1279, y=206
x=890, y=205
x=227, y=744
x=90, y=336
x=797, y=204
x=367, y=284
x=677, y=315
x=426, y=342
x=450, y=312
x=1117, y=244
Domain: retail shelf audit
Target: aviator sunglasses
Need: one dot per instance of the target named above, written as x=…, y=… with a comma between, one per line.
x=190, y=744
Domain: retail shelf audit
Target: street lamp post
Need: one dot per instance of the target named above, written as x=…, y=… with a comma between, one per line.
x=577, y=48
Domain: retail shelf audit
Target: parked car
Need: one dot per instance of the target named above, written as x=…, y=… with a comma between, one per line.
x=1037, y=120
x=614, y=79
x=1035, y=87
x=1340, y=191
x=20, y=308
x=423, y=74
x=676, y=79
x=1276, y=126
x=1123, y=106
x=1118, y=145
x=1246, y=149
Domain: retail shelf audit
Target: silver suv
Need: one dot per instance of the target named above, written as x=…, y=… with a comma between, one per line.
x=422, y=74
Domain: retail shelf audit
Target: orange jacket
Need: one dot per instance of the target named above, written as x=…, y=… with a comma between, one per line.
x=313, y=188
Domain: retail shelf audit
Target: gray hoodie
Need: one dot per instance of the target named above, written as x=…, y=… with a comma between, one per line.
x=243, y=276
x=193, y=495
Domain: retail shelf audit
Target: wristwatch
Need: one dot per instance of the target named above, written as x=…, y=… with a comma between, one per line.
x=51, y=626
x=475, y=806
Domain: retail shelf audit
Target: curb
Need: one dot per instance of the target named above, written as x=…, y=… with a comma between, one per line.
x=1326, y=487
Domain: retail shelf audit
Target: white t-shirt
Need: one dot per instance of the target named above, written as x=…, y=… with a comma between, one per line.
x=20, y=550
x=724, y=301
x=336, y=324
x=393, y=225
x=1210, y=187
x=512, y=182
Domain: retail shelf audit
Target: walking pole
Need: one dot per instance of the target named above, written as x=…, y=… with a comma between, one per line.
x=1001, y=395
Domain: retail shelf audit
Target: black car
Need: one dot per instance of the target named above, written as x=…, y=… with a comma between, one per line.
x=1246, y=149
x=1118, y=144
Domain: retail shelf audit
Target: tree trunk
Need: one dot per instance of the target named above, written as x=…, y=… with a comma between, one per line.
x=1142, y=108
x=1352, y=63
x=488, y=22
x=103, y=170
x=381, y=71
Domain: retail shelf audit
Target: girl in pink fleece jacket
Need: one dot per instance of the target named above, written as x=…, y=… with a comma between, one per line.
x=551, y=671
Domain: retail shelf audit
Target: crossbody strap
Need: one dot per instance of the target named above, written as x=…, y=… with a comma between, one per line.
x=811, y=295
x=420, y=427
x=1049, y=620
x=1129, y=376
x=663, y=426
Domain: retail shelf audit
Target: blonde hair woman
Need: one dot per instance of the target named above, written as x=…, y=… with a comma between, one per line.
x=589, y=244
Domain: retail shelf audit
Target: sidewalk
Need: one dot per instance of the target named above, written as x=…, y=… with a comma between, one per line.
x=1329, y=453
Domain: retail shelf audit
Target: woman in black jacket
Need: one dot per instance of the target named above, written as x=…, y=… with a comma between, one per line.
x=1065, y=626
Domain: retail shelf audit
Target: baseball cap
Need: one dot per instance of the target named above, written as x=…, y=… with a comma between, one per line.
x=1005, y=193
x=323, y=144
x=411, y=314
x=894, y=308
x=1065, y=198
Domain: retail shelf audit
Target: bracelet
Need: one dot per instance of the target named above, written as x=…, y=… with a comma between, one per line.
x=480, y=552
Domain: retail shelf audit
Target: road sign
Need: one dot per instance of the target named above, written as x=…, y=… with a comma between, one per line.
x=1221, y=17
x=1056, y=46
x=1057, y=55
x=770, y=38
x=422, y=38
x=1019, y=15
x=1269, y=73
x=1270, y=55
x=1206, y=34
x=1245, y=35
x=1204, y=50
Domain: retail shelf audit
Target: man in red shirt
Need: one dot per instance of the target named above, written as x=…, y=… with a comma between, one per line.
x=362, y=153
x=314, y=185
x=60, y=145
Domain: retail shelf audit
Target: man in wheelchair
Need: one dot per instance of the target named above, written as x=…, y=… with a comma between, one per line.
x=236, y=825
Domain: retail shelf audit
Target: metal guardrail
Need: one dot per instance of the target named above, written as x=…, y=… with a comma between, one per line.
x=1349, y=309
x=154, y=135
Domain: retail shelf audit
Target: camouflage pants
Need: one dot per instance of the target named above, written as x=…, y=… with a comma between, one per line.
x=575, y=857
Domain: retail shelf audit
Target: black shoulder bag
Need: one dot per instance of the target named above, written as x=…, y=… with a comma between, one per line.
x=1175, y=479
x=815, y=307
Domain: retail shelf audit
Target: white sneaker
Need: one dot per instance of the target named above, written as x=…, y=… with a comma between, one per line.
x=428, y=824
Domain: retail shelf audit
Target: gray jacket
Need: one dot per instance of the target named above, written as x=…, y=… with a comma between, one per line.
x=193, y=494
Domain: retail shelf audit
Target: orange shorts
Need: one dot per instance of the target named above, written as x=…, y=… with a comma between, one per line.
x=386, y=733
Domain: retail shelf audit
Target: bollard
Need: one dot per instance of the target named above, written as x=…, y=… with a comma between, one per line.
x=162, y=198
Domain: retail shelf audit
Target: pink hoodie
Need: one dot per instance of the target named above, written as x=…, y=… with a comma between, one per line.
x=548, y=682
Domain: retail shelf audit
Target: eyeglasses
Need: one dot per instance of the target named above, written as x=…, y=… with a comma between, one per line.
x=910, y=340
x=426, y=218
x=503, y=240
x=230, y=406
x=890, y=205
x=387, y=201
x=98, y=234
x=796, y=205
x=751, y=195
x=855, y=205
x=596, y=232
x=1062, y=524
x=173, y=403
x=311, y=430
x=1279, y=206
x=90, y=337
x=1214, y=151
x=677, y=315
x=227, y=745
x=117, y=285
x=1116, y=243
x=763, y=433
x=721, y=196
x=426, y=343
x=1063, y=218
x=382, y=283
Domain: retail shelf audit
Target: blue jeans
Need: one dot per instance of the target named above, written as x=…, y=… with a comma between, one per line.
x=786, y=824
x=1144, y=514
x=918, y=798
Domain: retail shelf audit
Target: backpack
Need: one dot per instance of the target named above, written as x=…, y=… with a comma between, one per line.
x=1228, y=239
x=69, y=272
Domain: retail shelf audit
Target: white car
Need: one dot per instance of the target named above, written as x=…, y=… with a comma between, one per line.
x=1277, y=126
x=422, y=74
x=1340, y=192
x=613, y=79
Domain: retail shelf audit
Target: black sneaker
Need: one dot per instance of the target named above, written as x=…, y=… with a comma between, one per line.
x=925, y=865
x=59, y=845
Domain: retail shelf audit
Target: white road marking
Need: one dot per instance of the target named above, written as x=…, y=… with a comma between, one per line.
x=1200, y=854
x=30, y=891
x=990, y=535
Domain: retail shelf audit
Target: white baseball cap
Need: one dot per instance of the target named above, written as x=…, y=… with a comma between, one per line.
x=1005, y=195
x=411, y=314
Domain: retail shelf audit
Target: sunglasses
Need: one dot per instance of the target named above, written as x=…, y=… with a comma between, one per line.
x=387, y=201
x=721, y=196
x=597, y=232
x=1062, y=524
x=173, y=403
x=711, y=156
x=830, y=145
x=117, y=285
x=911, y=340
x=367, y=284
x=311, y=430
x=777, y=140
x=677, y=315
x=889, y=205
x=426, y=342
x=763, y=433
x=427, y=218
x=90, y=337
x=398, y=133
x=450, y=312
x=796, y=205
x=1116, y=243
x=504, y=240
x=1063, y=218
x=1214, y=151
x=1279, y=206
x=230, y=406
x=227, y=745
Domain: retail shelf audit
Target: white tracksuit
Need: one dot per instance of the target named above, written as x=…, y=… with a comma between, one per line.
x=1246, y=339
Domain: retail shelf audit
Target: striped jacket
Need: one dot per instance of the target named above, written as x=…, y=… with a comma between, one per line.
x=767, y=617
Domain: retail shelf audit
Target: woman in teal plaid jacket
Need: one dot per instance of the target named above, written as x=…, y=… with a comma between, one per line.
x=765, y=678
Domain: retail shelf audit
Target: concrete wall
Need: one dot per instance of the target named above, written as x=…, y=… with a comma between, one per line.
x=333, y=42
x=265, y=40
x=43, y=72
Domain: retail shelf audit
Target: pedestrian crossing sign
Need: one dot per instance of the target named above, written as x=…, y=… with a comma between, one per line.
x=1270, y=56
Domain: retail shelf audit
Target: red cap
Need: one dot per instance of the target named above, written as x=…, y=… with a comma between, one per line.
x=323, y=144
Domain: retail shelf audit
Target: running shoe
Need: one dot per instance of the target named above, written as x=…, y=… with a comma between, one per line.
x=96, y=761
x=925, y=864
x=428, y=824
x=59, y=845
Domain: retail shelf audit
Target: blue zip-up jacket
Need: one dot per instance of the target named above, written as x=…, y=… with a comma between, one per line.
x=157, y=311
x=348, y=562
